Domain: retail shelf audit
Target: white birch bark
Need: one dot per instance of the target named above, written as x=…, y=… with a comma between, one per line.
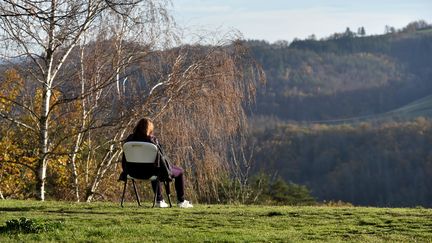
x=44, y=119
x=112, y=155
x=48, y=68
x=79, y=138
x=45, y=33
x=101, y=170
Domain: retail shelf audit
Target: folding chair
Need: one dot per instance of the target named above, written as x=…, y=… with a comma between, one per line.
x=140, y=159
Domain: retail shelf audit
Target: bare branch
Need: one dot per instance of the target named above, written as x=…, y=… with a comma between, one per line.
x=18, y=163
x=26, y=108
x=17, y=122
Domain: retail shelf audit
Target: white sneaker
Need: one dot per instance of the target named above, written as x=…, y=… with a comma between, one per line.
x=185, y=204
x=161, y=204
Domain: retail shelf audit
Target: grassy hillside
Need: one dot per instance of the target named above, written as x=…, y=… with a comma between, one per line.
x=421, y=107
x=418, y=108
x=98, y=222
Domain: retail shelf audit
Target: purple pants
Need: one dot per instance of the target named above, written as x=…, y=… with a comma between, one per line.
x=177, y=173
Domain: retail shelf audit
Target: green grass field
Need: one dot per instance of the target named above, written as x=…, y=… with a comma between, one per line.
x=108, y=222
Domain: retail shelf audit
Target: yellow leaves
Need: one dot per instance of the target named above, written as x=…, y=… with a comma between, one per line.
x=10, y=87
x=62, y=118
x=15, y=175
x=28, y=159
x=59, y=171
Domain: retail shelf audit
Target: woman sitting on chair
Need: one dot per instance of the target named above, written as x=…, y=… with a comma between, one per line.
x=143, y=132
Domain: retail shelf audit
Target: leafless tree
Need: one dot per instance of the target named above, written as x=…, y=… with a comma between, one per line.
x=196, y=96
x=200, y=109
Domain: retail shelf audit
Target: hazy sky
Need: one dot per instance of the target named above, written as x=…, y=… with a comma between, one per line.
x=286, y=19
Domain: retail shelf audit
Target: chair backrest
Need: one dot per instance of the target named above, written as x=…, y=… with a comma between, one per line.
x=140, y=152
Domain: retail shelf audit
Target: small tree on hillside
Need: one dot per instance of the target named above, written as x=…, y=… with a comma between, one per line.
x=361, y=31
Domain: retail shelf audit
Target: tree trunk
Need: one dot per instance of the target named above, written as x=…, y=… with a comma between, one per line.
x=45, y=109
x=95, y=184
x=43, y=142
x=73, y=167
x=110, y=156
x=103, y=167
x=41, y=179
x=72, y=160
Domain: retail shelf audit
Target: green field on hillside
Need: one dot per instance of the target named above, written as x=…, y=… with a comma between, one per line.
x=108, y=222
x=418, y=108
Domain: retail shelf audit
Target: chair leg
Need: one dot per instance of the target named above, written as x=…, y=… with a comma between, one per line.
x=168, y=192
x=136, y=193
x=155, y=193
x=124, y=190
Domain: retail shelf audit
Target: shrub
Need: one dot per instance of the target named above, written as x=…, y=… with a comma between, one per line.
x=25, y=225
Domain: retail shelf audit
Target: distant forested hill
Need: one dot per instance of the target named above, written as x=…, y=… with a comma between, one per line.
x=344, y=75
x=349, y=116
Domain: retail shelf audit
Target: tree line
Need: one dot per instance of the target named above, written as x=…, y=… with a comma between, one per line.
x=333, y=78
x=371, y=164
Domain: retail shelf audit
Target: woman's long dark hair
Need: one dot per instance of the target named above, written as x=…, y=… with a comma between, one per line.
x=143, y=129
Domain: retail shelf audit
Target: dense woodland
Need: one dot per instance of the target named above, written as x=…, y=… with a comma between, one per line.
x=382, y=165
x=337, y=115
x=344, y=76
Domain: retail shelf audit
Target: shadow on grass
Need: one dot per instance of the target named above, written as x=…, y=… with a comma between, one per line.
x=93, y=211
x=21, y=209
x=89, y=212
x=274, y=213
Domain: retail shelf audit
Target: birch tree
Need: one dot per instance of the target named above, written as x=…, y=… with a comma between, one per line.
x=40, y=36
x=93, y=68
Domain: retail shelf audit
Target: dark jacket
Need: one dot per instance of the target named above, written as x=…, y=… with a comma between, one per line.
x=133, y=169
